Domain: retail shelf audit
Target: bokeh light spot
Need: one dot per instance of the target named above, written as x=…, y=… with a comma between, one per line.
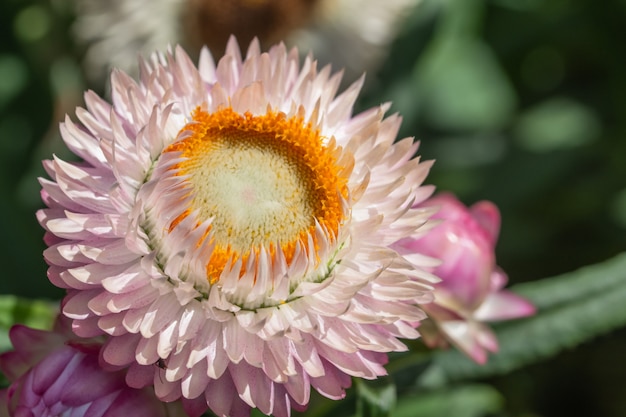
x=13, y=77
x=557, y=123
x=32, y=23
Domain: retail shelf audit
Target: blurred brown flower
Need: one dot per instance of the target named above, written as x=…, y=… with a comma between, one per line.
x=350, y=34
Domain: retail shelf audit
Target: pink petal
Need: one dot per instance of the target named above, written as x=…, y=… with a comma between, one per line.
x=504, y=305
x=488, y=216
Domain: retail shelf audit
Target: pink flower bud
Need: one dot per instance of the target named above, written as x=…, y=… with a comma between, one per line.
x=470, y=292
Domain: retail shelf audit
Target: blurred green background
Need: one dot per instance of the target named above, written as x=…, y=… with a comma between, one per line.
x=522, y=102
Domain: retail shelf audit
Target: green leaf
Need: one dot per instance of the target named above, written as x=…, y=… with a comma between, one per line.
x=37, y=314
x=573, y=308
x=465, y=401
x=464, y=87
x=375, y=398
x=462, y=84
x=587, y=282
x=254, y=413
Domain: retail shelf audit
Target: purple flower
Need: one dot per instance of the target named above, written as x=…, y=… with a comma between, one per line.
x=55, y=375
x=470, y=292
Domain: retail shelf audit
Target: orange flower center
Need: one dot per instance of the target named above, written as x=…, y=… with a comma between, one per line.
x=264, y=181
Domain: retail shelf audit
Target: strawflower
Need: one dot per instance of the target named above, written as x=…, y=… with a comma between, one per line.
x=116, y=31
x=230, y=231
x=352, y=34
x=55, y=374
x=470, y=292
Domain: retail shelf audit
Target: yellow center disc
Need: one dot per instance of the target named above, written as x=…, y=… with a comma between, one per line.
x=263, y=180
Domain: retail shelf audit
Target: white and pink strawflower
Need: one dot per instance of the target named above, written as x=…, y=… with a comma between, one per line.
x=470, y=292
x=230, y=230
x=55, y=374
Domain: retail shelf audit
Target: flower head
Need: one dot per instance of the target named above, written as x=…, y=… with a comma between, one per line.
x=353, y=34
x=116, y=31
x=470, y=292
x=54, y=374
x=233, y=224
